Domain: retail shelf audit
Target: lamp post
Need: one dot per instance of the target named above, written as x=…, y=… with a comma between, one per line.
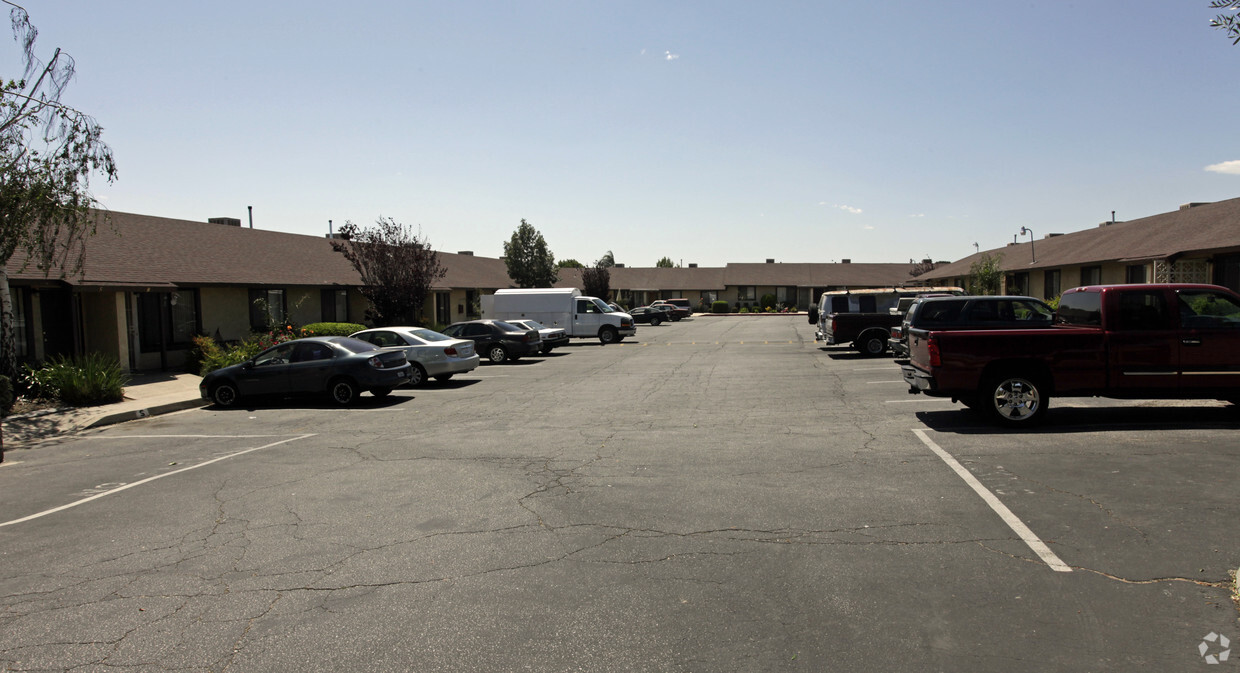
x=1027, y=230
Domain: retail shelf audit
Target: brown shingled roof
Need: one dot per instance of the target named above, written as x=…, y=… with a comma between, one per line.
x=1213, y=227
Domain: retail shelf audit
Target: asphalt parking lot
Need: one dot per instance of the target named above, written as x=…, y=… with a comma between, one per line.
x=718, y=494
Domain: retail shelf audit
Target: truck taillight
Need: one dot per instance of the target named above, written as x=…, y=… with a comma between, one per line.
x=833, y=323
x=932, y=347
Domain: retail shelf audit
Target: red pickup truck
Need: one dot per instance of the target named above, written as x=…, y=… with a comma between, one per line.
x=1168, y=341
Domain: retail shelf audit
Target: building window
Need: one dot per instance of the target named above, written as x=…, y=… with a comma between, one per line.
x=1018, y=283
x=1134, y=274
x=710, y=296
x=335, y=305
x=1050, y=284
x=746, y=293
x=167, y=320
x=267, y=308
x=21, y=344
x=473, y=305
x=1091, y=275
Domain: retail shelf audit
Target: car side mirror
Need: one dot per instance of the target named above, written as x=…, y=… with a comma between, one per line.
x=248, y=364
x=813, y=315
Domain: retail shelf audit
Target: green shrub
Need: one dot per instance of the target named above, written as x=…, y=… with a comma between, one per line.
x=331, y=329
x=215, y=356
x=88, y=380
x=744, y=309
x=6, y=396
x=767, y=301
x=719, y=307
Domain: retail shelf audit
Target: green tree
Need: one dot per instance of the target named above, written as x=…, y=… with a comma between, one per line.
x=596, y=280
x=569, y=264
x=48, y=153
x=397, y=267
x=985, y=276
x=1229, y=23
x=530, y=263
x=665, y=263
x=606, y=261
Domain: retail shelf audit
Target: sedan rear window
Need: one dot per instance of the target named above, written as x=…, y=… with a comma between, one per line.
x=353, y=345
x=429, y=335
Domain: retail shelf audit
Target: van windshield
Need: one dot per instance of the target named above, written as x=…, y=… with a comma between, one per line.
x=602, y=307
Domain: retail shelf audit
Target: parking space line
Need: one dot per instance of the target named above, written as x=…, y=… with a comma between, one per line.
x=919, y=399
x=873, y=382
x=1038, y=546
x=83, y=501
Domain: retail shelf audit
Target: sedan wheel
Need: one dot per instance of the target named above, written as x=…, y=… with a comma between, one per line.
x=224, y=394
x=654, y=322
x=343, y=391
x=497, y=354
x=417, y=375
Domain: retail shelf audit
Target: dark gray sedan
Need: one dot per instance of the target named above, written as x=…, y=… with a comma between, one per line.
x=342, y=367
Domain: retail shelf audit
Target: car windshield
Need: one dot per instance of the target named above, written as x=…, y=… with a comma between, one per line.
x=429, y=335
x=353, y=345
x=509, y=327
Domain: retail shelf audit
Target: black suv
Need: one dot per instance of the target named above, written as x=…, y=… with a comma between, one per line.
x=497, y=340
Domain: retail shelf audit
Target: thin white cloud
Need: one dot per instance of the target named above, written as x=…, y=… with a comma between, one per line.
x=848, y=209
x=918, y=215
x=868, y=227
x=670, y=56
x=1228, y=167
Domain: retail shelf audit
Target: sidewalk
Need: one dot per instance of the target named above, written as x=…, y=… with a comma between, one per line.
x=146, y=395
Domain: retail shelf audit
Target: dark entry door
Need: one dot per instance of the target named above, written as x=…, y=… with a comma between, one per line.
x=56, y=309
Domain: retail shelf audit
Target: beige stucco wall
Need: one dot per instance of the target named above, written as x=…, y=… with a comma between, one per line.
x=225, y=310
x=103, y=315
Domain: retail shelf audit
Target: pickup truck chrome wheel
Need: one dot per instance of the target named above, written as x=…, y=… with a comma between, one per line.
x=1016, y=400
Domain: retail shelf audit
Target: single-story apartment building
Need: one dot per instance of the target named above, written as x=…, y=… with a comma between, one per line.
x=1198, y=243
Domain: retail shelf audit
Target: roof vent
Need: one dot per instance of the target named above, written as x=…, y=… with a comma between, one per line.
x=467, y=253
x=692, y=265
x=336, y=236
x=619, y=266
x=770, y=260
x=230, y=221
x=845, y=261
x=1194, y=204
x=1052, y=235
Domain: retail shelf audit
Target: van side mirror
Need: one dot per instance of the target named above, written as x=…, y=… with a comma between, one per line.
x=813, y=315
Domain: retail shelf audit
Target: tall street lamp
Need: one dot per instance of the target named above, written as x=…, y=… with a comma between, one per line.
x=1027, y=230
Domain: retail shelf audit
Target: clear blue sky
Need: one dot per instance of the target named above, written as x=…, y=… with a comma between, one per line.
x=709, y=132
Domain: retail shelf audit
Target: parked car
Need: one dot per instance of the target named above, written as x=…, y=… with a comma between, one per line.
x=497, y=340
x=678, y=311
x=943, y=313
x=650, y=315
x=552, y=337
x=341, y=367
x=430, y=353
x=580, y=316
x=863, y=318
x=680, y=302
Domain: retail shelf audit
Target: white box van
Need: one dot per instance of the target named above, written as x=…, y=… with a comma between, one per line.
x=578, y=315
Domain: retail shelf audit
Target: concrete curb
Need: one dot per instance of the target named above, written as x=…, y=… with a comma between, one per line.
x=156, y=410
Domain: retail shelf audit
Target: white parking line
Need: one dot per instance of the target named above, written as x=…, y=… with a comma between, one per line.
x=158, y=476
x=873, y=382
x=1038, y=546
x=919, y=398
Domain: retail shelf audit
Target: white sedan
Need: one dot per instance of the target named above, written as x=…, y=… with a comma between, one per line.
x=430, y=353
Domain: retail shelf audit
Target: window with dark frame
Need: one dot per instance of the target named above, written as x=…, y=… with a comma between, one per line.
x=267, y=307
x=1134, y=274
x=1091, y=275
x=1051, y=284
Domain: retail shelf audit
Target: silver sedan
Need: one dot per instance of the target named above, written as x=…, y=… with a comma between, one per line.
x=430, y=353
